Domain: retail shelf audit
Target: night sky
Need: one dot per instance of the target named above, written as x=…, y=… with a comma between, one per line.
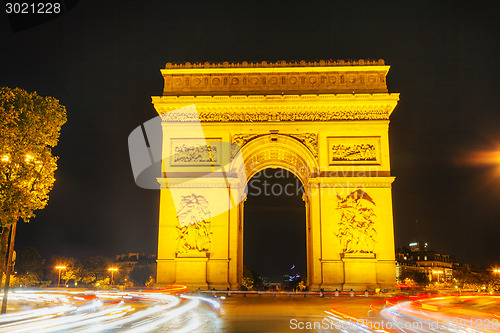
x=102, y=60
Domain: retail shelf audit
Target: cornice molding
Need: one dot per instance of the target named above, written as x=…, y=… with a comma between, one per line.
x=326, y=69
x=282, y=63
x=262, y=98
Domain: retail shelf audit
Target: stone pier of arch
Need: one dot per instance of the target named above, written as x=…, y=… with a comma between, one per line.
x=326, y=122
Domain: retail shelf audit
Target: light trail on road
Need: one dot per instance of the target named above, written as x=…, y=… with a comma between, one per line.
x=475, y=313
x=44, y=311
x=424, y=313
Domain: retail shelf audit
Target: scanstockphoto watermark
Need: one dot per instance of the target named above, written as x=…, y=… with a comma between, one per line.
x=363, y=324
x=258, y=187
x=305, y=172
x=281, y=182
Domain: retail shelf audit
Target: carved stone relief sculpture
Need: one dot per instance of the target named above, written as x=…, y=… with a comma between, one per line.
x=356, y=229
x=194, y=231
x=355, y=152
x=195, y=152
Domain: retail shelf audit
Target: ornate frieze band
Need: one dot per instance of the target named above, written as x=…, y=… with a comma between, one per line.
x=276, y=82
x=281, y=77
x=256, y=116
x=260, y=108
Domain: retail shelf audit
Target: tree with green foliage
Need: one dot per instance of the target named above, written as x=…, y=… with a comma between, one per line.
x=95, y=269
x=141, y=274
x=29, y=128
x=29, y=267
x=29, y=260
x=476, y=278
x=248, y=278
x=413, y=275
x=73, y=270
x=253, y=280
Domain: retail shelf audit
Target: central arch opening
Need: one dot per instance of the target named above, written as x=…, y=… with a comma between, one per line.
x=274, y=232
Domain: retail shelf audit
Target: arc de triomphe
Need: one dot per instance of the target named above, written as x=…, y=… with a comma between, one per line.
x=327, y=122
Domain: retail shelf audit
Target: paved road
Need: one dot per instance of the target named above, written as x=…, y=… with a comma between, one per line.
x=156, y=311
x=286, y=314
x=82, y=311
x=475, y=313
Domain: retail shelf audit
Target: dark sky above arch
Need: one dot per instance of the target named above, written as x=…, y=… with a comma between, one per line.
x=102, y=60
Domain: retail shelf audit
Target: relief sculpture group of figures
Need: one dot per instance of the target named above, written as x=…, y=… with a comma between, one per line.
x=194, y=230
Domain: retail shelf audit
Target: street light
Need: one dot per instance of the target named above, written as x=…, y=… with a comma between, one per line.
x=60, y=268
x=112, y=270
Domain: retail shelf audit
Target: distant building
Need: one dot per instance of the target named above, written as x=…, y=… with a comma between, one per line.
x=417, y=257
x=275, y=286
x=127, y=261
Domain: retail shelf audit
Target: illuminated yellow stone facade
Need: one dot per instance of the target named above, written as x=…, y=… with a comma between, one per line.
x=326, y=122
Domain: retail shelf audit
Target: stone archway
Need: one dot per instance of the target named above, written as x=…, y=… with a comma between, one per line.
x=326, y=122
x=287, y=151
x=294, y=153
x=274, y=228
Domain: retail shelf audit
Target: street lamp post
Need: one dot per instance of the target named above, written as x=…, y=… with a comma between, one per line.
x=112, y=270
x=60, y=268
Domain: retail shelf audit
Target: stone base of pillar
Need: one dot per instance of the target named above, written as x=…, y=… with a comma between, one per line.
x=314, y=287
x=192, y=272
x=165, y=272
x=387, y=287
x=332, y=275
x=331, y=287
x=358, y=287
x=217, y=274
x=360, y=273
x=219, y=286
